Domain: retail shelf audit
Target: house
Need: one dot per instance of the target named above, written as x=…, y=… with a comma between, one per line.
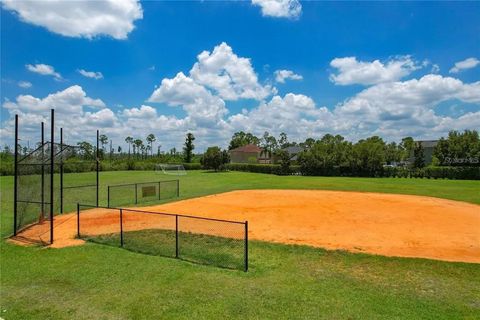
x=428, y=148
x=293, y=151
x=249, y=153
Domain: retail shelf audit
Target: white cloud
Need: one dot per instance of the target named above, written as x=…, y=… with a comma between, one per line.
x=282, y=75
x=279, y=8
x=91, y=74
x=44, y=69
x=435, y=68
x=199, y=103
x=86, y=19
x=24, y=84
x=465, y=64
x=71, y=100
x=352, y=71
x=232, y=77
x=405, y=108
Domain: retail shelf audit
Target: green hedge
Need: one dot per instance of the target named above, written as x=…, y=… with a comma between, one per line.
x=6, y=167
x=460, y=173
x=261, y=168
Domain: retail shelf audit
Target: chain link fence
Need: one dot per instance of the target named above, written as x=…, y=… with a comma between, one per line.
x=142, y=192
x=222, y=243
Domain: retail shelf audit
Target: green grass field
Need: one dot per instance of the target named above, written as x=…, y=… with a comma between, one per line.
x=97, y=281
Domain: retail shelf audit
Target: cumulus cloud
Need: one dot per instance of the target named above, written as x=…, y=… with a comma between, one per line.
x=91, y=74
x=196, y=100
x=282, y=75
x=352, y=71
x=406, y=108
x=85, y=19
x=464, y=65
x=279, y=8
x=24, y=84
x=231, y=76
x=44, y=69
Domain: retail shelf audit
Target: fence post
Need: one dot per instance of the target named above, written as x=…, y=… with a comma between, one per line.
x=176, y=236
x=246, y=246
x=178, y=188
x=52, y=170
x=136, y=194
x=61, y=170
x=78, y=220
x=15, y=179
x=108, y=196
x=121, y=228
x=159, y=187
x=97, y=168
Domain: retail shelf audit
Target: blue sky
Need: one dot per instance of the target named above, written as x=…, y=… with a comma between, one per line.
x=353, y=68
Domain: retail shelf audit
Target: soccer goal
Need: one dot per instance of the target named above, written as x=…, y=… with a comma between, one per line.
x=171, y=169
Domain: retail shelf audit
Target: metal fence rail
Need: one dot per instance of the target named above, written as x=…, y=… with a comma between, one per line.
x=134, y=193
x=218, y=242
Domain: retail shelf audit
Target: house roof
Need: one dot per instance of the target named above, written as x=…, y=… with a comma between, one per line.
x=247, y=148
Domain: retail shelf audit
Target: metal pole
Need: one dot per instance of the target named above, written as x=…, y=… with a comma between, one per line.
x=159, y=186
x=136, y=194
x=78, y=220
x=108, y=196
x=178, y=188
x=43, y=171
x=176, y=236
x=15, y=181
x=61, y=170
x=98, y=163
x=52, y=170
x=246, y=246
x=121, y=227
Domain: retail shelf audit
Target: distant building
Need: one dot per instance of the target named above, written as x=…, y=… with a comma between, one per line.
x=428, y=148
x=249, y=153
x=293, y=151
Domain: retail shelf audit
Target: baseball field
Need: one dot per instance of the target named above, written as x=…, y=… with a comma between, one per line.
x=356, y=248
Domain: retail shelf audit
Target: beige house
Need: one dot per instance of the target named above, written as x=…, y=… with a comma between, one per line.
x=249, y=153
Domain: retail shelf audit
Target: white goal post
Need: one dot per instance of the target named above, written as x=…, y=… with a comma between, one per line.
x=171, y=169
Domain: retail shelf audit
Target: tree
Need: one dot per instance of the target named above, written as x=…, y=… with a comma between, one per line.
x=86, y=147
x=188, y=148
x=138, y=145
x=151, y=139
x=419, y=156
x=283, y=140
x=459, y=148
x=119, y=149
x=285, y=162
x=129, y=141
x=392, y=153
x=240, y=139
x=103, y=141
x=406, y=146
x=214, y=158
x=368, y=155
x=269, y=144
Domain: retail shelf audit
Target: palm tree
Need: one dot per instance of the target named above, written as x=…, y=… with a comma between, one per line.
x=151, y=139
x=138, y=144
x=103, y=140
x=129, y=141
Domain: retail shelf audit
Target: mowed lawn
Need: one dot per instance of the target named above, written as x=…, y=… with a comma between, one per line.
x=284, y=282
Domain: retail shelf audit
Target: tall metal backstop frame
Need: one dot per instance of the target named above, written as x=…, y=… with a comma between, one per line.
x=41, y=186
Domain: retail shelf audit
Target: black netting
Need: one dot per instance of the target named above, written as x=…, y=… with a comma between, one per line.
x=34, y=184
x=144, y=192
x=200, y=240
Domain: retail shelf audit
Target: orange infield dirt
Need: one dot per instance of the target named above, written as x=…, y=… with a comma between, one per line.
x=385, y=224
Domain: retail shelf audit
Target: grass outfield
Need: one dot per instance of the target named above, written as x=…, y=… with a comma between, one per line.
x=291, y=282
